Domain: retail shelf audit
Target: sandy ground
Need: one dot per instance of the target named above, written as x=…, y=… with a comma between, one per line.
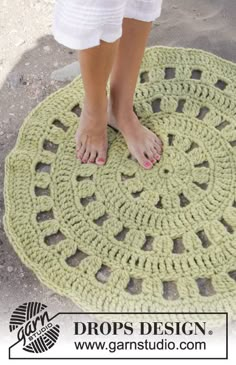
x=29, y=54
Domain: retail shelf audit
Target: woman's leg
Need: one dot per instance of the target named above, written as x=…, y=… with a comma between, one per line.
x=144, y=145
x=91, y=136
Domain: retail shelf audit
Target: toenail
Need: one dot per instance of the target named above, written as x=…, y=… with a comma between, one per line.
x=100, y=160
x=147, y=164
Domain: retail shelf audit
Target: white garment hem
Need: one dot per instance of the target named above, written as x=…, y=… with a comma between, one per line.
x=79, y=44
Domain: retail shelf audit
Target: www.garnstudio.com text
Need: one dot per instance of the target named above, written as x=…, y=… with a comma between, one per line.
x=143, y=329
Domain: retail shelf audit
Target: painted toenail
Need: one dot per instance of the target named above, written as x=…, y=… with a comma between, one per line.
x=147, y=164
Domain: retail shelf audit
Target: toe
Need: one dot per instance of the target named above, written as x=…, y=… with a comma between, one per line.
x=80, y=152
x=158, y=141
x=101, y=158
x=157, y=157
x=92, y=157
x=86, y=156
x=78, y=140
x=157, y=148
x=143, y=161
x=150, y=154
x=157, y=154
x=78, y=145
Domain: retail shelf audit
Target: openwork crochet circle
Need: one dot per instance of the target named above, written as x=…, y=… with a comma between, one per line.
x=121, y=238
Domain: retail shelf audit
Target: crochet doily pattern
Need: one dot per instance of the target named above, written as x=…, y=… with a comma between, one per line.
x=121, y=238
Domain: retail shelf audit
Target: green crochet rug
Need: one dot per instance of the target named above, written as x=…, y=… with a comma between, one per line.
x=121, y=238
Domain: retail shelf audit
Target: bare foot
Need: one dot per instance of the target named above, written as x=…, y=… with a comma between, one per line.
x=142, y=143
x=91, y=136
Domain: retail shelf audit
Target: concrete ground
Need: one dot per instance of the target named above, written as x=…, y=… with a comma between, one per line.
x=29, y=55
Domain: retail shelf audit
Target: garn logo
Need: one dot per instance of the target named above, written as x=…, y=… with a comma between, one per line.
x=34, y=327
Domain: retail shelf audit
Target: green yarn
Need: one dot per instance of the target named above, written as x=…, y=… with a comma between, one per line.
x=121, y=238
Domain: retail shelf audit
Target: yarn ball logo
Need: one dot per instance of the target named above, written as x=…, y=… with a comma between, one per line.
x=34, y=327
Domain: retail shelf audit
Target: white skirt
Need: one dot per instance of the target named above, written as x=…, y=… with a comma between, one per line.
x=81, y=24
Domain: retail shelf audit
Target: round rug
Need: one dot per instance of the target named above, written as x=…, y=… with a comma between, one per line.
x=119, y=237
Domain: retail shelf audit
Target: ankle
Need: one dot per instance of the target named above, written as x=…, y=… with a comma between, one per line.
x=120, y=106
x=98, y=106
